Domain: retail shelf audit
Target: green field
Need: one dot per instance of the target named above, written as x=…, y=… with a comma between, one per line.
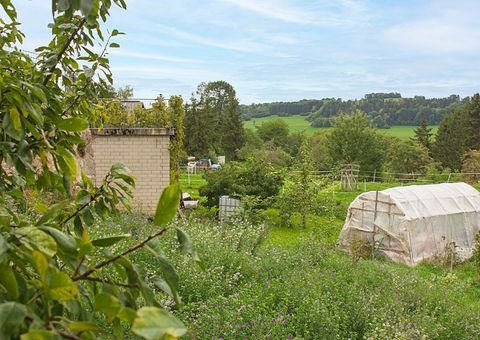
x=299, y=124
x=295, y=123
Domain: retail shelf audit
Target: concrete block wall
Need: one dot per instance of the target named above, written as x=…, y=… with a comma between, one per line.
x=144, y=151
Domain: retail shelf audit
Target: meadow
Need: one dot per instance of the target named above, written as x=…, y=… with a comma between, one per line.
x=263, y=280
x=298, y=123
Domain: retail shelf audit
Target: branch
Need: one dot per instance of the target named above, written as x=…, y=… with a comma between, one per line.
x=77, y=268
x=110, y=282
x=63, y=50
x=68, y=336
x=92, y=199
x=74, y=102
x=113, y=259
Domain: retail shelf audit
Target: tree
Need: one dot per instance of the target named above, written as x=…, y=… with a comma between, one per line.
x=452, y=138
x=159, y=115
x=299, y=193
x=320, y=154
x=54, y=279
x=275, y=130
x=198, y=132
x=423, y=135
x=407, y=157
x=471, y=166
x=124, y=93
x=353, y=140
x=251, y=178
x=472, y=109
x=177, y=118
x=213, y=121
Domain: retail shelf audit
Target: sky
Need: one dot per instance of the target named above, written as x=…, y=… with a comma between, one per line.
x=285, y=50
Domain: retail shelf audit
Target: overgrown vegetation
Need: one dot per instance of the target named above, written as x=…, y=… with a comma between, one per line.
x=265, y=281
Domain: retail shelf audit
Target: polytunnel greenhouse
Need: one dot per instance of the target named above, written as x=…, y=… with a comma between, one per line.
x=416, y=223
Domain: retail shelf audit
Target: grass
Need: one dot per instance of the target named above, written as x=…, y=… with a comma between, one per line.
x=191, y=183
x=298, y=123
x=296, y=285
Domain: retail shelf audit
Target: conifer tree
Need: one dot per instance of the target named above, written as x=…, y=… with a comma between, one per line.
x=452, y=139
x=213, y=121
x=423, y=134
x=472, y=108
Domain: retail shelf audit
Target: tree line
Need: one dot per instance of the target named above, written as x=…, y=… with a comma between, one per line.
x=384, y=109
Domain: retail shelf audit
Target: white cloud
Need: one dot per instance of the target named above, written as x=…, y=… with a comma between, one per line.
x=151, y=56
x=275, y=10
x=239, y=45
x=441, y=30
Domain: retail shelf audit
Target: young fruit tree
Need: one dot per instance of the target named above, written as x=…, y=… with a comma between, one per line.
x=55, y=281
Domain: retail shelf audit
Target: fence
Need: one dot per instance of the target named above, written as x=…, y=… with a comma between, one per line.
x=329, y=181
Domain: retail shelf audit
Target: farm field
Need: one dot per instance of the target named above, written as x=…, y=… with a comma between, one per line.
x=298, y=123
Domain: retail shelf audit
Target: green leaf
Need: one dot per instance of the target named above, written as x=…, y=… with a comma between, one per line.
x=3, y=247
x=188, y=248
x=8, y=280
x=167, y=205
x=107, y=304
x=61, y=287
x=116, y=32
x=10, y=130
x=155, y=323
x=41, y=264
x=127, y=314
x=75, y=124
x=119, y=170
x=78, y=226
x=15, y=118
x=39, y=334
x=52, y=213
x=83, y=326
x=169, y=275
x=66, y=161
x=109, y=241
x=34, y=238
x=83, y=197
x=114, y=45
x=12, y=315
x=65, y=242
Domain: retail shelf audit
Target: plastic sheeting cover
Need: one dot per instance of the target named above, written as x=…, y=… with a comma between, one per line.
x=415, y=223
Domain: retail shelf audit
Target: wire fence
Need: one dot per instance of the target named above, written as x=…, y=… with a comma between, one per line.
x=329, y=181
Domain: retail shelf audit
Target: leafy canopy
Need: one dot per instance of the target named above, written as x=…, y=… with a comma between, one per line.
x=55, y=281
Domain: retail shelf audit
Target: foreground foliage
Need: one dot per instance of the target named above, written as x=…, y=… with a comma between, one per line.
x=57, y=280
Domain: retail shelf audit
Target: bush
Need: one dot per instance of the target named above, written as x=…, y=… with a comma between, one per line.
x=239, y=179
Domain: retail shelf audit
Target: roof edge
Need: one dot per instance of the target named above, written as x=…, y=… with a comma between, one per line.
x=133, y=131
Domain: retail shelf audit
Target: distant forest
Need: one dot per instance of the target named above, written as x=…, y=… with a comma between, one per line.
x=384, y=109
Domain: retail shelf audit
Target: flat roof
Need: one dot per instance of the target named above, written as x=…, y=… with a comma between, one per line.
x=133, y=132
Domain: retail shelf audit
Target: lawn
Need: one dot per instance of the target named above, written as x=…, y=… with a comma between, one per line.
x=298, y=124
x=192, y=182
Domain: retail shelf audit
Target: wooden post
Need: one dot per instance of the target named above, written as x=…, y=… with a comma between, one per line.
x=333, y=185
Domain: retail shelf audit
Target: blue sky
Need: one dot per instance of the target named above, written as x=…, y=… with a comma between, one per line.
x=282, y=50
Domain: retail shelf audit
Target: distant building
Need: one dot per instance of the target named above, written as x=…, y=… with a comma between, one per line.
x=131, y=105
